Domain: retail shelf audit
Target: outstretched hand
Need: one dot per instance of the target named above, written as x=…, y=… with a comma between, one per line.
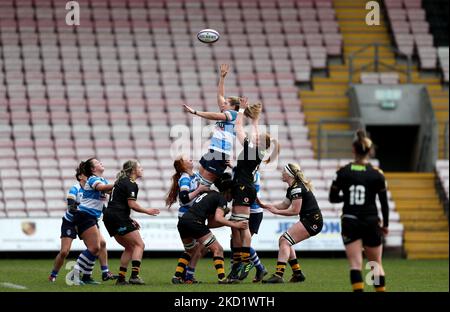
x=243, y=102
x=189, y=109
x=224, y=70
x=153, y=212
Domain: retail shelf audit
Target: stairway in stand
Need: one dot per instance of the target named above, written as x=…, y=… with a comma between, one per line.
x=421, y=213
x=328, y=98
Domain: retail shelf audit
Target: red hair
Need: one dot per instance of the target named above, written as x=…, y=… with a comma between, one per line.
x=179, y=166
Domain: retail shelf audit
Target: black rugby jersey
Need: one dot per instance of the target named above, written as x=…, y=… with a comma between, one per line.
x=309, y=202
x=360, y=184
x=123, y=190
x=248, y=162
x=205, y=205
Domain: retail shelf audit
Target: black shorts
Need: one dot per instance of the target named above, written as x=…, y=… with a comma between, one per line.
x=313, y=222
x=243, y=195
x=367, y=229
x=68, y=229
x=191, y=228
x=118, y=225
x=254, y=222
x=214, y=162
x=83, y=221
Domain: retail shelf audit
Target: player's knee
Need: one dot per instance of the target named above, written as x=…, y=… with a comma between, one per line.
x=102, y=244
x=64, y=253
x=140, y=244
x=95, y=249
x=286, y=240
x=282, y=241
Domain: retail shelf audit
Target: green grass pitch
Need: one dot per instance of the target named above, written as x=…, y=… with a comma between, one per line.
x=322, y=275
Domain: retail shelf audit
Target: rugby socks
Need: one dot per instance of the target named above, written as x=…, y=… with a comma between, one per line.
x=295, y=266
x=54, y=273
x=122, y=274
x=356, y=280
x=135, y=267
x=381, y=287
x=85, y=263
x=105, y=270
x=281, y=266
x=183, y=261
x=255, y=259
x=219, y=265
x=189, y=273
x=245, y=255
x=236, y=256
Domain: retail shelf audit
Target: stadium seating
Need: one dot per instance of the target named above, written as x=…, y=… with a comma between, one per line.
x=114, y=87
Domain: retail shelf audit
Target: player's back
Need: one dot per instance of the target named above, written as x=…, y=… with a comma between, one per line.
x=360, y=185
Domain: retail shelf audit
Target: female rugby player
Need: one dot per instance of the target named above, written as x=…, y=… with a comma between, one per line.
x=299, y=201
x=119, y=224
x=244, y=191
x=211, y=206
x=360, y=182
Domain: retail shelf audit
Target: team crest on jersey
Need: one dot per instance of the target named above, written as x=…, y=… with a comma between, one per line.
x=246, y=199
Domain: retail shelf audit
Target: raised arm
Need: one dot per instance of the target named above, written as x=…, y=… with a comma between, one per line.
x=206, y=115
x=238, y=126
x=221, y=87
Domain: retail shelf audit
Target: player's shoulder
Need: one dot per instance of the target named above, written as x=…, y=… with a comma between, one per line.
x=378, y=170
x=345, y=168
x=296, y=188
x=131, y=181
x=231, y=114
x=76, y=186
x=185, y=175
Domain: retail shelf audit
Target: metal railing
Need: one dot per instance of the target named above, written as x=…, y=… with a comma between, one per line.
x=377, y=63
x=323, y=134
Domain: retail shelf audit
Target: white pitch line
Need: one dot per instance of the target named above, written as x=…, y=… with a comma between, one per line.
x=11, y=285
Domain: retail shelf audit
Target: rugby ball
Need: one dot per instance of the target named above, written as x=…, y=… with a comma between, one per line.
x=208, y=35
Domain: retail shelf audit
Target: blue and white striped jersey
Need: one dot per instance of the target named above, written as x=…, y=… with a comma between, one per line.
x=223, y=136
x=255, y=208
x=75, y=193
x=190, y=184
x=93, y=200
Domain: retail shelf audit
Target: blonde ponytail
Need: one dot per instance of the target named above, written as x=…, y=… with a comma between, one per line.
x=253, y=111
x=300, y=176
x=270, y=143
x=127, y=169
